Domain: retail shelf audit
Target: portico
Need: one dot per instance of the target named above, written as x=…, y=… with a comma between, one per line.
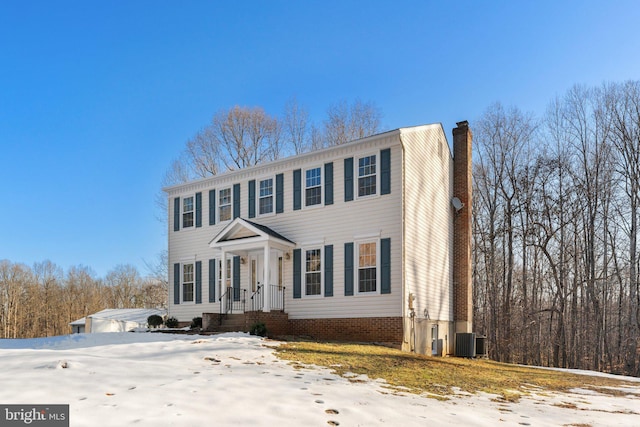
x=261, y=251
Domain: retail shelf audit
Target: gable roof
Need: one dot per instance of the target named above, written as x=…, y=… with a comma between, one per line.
x=268, y=231
x=241, y=232
x=79, y=322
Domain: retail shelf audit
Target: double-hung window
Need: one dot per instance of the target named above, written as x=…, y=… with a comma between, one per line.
x=313, y=272
x=265, y=202
x=187, y=282
x=187, y=212
x=224, y=204
x=313, y=187
x=367, y=176
x=367, y=267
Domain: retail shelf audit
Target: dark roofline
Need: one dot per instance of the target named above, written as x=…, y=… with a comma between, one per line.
x=269, y=231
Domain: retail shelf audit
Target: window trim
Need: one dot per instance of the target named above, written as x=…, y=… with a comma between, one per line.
x=356, y=266
x=183, y=282
x=304, y=187
x=356, y=175
x=304, y=271
x=220, y=205
x=183, y=212
x=273, y=196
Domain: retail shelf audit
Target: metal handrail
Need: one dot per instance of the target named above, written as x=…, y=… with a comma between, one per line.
x=277, y=297
x=232, y=301
x=257, y=299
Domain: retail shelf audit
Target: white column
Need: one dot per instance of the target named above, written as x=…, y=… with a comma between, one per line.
x=266, y=307
x=223, y=274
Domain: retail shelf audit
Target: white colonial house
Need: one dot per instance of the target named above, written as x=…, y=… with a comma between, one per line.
x=366, y=241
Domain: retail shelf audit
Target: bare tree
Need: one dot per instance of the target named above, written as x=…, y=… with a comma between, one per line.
x=623, y=105
x=346, y=122
x=296, y=126
x=245, y=137
x=503, y=139
x=203, y=153
x=14, y=279
x=156, y=286
x=124, y=285
x=178, y=172
x=48, y=277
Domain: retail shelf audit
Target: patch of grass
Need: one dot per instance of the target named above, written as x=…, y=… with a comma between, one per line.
x=438, y=377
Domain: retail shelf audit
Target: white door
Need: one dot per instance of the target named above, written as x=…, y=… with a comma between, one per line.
x=275, y=290
x=256, y=272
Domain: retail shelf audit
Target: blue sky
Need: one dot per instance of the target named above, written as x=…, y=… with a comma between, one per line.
x=97, y=98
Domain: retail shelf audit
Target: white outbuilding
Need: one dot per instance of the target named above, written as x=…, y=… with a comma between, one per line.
x=115, y=320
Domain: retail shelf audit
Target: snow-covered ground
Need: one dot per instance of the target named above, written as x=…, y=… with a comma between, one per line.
x=144, y=379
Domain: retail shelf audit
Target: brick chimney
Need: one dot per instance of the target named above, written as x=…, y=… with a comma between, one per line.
x=462, y=187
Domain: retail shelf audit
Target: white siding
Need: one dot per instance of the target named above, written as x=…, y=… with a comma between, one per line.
x=428, y=222
x=379, y=216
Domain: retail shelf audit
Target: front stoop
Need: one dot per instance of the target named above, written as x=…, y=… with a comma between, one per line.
x=214, y=322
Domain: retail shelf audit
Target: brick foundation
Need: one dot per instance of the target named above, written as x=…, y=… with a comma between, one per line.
x=277, y=322
x=371, y=329
x=368, y=329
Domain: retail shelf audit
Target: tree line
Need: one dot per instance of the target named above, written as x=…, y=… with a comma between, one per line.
x=555, y=230
x=42, y=300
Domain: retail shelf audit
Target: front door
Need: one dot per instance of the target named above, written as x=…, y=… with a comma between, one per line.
x=275, y=282
x=256, y=270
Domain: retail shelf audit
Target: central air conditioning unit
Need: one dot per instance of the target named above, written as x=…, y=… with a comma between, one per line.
x=465, y=344
x=481, y=347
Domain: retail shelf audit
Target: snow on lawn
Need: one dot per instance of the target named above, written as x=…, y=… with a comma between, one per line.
x=119, y=379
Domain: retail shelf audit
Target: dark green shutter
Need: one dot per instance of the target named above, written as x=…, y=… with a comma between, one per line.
x=385, y=171
x=348, y=269
x=297, y=189
x=328, y=183
x=176, y=283
x=176, y=214
x=212, y=280
x=328, y=271
x=236, y=201
x=279, y=193
x=297, y=273
x=198, y=282
x=236, y=278
x=252, y=198
x=385, y=272
x=348, y=179
x=212, y=207
x=198, y=209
